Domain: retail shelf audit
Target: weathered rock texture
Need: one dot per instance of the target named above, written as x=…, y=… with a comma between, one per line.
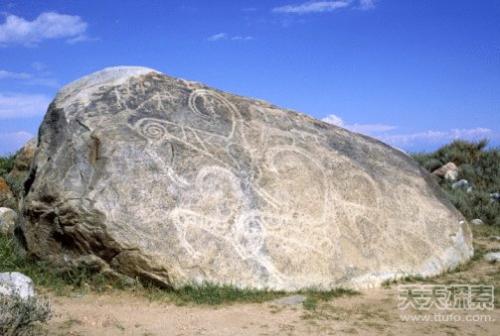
x=449, y=171
x=6, y=195
x=175, y=182
x=14, y=283
x=23, y=160
x=8, y=218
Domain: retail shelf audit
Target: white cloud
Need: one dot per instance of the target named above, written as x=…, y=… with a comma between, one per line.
x=48, y=25
x=324, y=6
x=225, y=36
x=11, y=142
x=385, y=133
x=242, y=38
x=367, y=129
x=4, y=74
x=18, y=105
x=370, y=128
x=41, y=76
x=436, y=137
x=334, y=120
x=366, y=4
x=81, y=38
x=217, y=37
x=313, y=7
x=43, y=81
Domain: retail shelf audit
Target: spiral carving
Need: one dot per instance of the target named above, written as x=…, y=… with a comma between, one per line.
x=151, y=128
x=204, y=103
x=217, y=114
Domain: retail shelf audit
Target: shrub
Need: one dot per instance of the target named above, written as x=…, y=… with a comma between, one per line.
x=429, y=164
x=22, y=317
x=15, y=185
x=479, y=166
x=313, y=297
x=6, y=164
x=461, y=152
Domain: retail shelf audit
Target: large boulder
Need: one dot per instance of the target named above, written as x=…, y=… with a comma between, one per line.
x=177, y=183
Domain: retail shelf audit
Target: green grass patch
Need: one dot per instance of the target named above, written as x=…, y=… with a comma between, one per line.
x=314, y=297
x=486, y=231
x=210, y=294
x=406, y=280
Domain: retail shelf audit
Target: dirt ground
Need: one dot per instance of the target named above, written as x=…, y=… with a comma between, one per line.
x=374, y=312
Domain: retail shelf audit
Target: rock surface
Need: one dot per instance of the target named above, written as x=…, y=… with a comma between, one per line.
x=14, y=283
x=22, y=162
x=492, y=256
x=8, y=219
x=6, y=195
x=175, y=182
x=477, y=221
x=448, y=171
x=462, y=184
x=451, y=175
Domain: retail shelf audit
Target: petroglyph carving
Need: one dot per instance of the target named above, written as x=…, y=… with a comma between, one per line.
x=193, y=184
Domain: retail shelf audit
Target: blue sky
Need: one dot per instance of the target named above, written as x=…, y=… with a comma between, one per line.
x=415, y=74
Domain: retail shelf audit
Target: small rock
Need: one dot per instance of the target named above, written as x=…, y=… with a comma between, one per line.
x=8, y=219
x=6, y=195
x=14, y=283
x=492, y=256
x=451, y=175
x=449, y=171
x=477, y=221
x=290, y=300
x=495, y=196
x=462, y=184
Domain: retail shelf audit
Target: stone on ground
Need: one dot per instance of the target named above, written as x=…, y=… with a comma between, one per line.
x=448, y=171
x=462, y=184
x=492, y=256
x=8, y=218
x=14, y=283
x=476, y=221
x=178, y=183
